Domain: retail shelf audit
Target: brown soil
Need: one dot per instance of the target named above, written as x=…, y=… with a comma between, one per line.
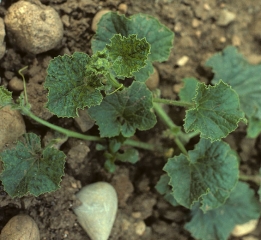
x=198, y=36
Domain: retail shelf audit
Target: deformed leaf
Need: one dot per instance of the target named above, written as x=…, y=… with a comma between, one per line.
x=188, y=92
x=216, y=113
x=130, y=155
x=143, y=74
x=157, y=35
x=5, y=97
x=164, y=189
x=207, y=174
x=128, y=54
x=244, y=78
x=70, y=88
x=124, y=112
x=217, y=224
x=30, y=169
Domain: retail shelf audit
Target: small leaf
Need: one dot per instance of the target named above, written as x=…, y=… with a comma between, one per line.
x=5, y=97
x=244, y=78
x=164, y=189
x=254, y=127
x=207, y=174
x=124, y=112
x=70, y=88
x=128, y=54
x=216, y=112
x=259, y=191
x=158, y=36
x=188, y=92
x=30, y=169
x=217, y=224
x=130, y=155
x=110, y=166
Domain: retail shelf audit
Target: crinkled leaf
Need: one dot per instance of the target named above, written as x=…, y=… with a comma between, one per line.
x=128, y=54
x=124, y=112
x=254, y=127
x=70, y=88
x=188, y=92
x=158, y=36
x=143, y=74
x=207, y=174
x=5, y=97
x=245, y=79
x=30, y=169
x=164, y=189
x=217, y=224
x=130, y=155
x=216, y=113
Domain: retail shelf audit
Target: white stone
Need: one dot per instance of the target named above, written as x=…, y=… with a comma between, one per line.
x=243, y=229
x=98, y=210
x=33, y=27
x=225, y=18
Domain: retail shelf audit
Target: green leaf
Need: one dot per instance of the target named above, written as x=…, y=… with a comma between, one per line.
x=254, y=127
x=188, y=92
x=128, y=54
x=110, y=166
x=143, y=74
x=30, y=169
x=259, y=191
x=124, y=112
x=130, y=155
x=5, y=97
x=70, y=88
x=158, y=36
x=216, y=112
x=245, y=79
x=164, y=189
x=217, y=224
x=207, y=174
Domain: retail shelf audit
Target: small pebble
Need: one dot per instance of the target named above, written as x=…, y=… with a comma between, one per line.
x=140, y=228
x=243, y=229
x=83, y=121
x=182, y=61
x=123, y=8
x=226, y=17
x=20, y=227
x=153, y=81
x=16, y=84
x=2, y=37
x=98, y=210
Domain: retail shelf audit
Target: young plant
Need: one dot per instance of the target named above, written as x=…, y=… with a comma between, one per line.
x=204, y=179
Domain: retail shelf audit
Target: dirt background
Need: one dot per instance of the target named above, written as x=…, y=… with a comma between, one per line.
x=198, y=35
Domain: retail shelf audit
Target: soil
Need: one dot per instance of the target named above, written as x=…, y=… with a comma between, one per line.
x=198, y=35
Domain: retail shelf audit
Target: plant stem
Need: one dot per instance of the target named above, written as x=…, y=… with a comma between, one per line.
x=256, y=178
x=60, y=129
x=142, y=145
x=173, y=102
x=167, y=120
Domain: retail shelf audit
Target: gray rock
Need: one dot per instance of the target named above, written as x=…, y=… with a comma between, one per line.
x=98, y=210
x=33, y=27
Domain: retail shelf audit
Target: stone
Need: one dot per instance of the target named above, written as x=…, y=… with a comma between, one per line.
x=16, y=84
x=12, y=126
x=2, y=37
x=153, y=80
x=98, y=210
x=246, y=228
x=21, y=227
x=225, y=18
x=25, y=19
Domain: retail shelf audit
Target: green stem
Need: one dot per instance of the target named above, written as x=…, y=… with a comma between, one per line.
x=142, y=145
x=167, y=120
x=59, y=129
x=256, y=178
x=113, y=81
x=173, y=102
x=24, y=83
